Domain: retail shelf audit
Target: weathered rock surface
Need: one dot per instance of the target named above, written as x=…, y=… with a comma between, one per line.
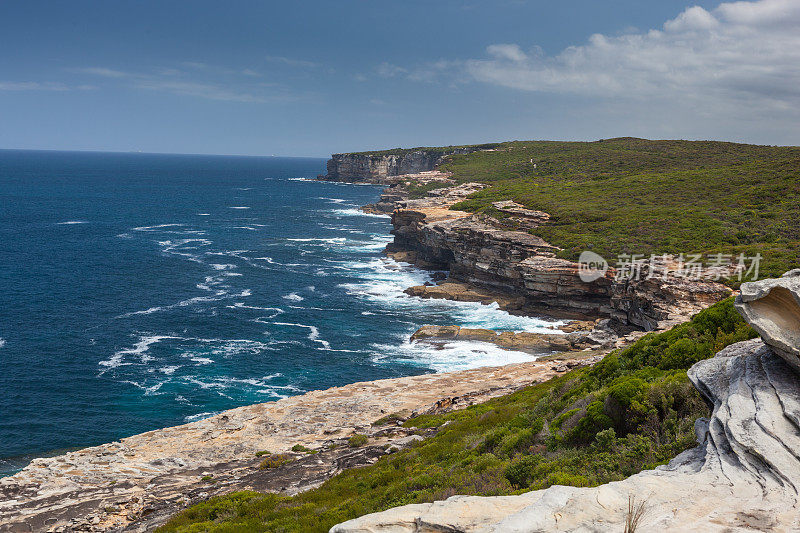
x=398, y=189
x=159, y=472
x=772, y=307
x=375, y=168
x=581, y=336
x=521, y=269
x=744, y=475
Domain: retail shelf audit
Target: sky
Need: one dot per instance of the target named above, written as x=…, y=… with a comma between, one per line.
x=311, y=78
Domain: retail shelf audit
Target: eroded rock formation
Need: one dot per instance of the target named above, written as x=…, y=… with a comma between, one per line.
x=142, y=480
x=491, y=258
x=743, y=476
x=772, y=307
x=376, y=167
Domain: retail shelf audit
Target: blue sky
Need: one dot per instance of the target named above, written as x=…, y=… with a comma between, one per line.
x=311, y=78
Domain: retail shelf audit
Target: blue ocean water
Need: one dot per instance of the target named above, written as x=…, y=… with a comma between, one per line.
x=139, y=291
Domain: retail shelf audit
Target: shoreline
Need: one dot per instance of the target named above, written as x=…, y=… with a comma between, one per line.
x=114, y=485
x=139, y=482
x=138, y=476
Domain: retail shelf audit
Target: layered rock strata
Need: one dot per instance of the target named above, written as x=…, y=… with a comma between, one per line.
x=578, y=335
x=112, y=486
x=376, y=167
x=743, y=476
x=772, y=307
x=503, y=258
x=397, y=189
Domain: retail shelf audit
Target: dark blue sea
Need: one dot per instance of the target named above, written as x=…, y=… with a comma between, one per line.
x=139, y=291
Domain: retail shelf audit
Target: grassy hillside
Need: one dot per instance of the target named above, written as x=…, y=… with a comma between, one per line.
x=636, y=196
x=632, y=411
x=431, y=149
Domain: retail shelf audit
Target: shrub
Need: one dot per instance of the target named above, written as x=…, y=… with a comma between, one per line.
x=629, y=412
x=274, y=461
x=357, y=440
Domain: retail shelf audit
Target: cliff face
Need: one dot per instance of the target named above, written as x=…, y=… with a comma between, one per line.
x=375, y=168
x=488, y=253
x=744, y=475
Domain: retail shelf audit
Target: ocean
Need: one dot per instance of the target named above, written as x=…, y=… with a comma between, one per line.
x=139, y=291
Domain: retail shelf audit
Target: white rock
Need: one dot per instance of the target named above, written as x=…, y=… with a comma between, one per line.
x=744, y=475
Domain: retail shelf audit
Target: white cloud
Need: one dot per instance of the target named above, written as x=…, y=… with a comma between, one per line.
x=741, y=53
x=512, y=52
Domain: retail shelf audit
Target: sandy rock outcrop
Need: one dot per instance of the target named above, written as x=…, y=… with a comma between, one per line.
x=743, y=476
x=502, y=257
x=110, y=486
x=397, y=189
x=772, y=307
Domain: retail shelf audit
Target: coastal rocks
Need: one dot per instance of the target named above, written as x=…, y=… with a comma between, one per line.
x=520, y=341
x=398, y=189
x=772, y=307
x=600, y=335
x=524, y=217
x=465, y=292
x=520, y=270
x=369, y=167
x=142, y=474
x=744, y=475
x=658, y=302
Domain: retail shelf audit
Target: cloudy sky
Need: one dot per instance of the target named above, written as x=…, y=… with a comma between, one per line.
x=315, y=77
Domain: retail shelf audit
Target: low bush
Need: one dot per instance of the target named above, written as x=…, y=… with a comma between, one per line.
x=357, y=441
x=632, y=411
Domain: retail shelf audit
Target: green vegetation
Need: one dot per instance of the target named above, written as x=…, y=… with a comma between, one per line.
x=437, y=150
x=356, y=441
x=632, y=411
x=300, y=448
x=208, y=479
x=634, y=196
x=392, y=419
x=262, y=453
x=275, y=460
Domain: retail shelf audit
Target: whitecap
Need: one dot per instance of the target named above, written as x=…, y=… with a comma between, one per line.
x=355, y=212
x=238, y=207
x=200, y=416
x=293, y=297
x=157, y=227
x=334, y=200
x=276, y=310
x=328, y=240
x=204, y=214
x=313, y=332
x=71, y=222
x=2, y=342
x=140, y=349
x=448, y=356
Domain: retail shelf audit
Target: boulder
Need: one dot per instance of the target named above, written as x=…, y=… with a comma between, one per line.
x=772, y=308
x=743, y=476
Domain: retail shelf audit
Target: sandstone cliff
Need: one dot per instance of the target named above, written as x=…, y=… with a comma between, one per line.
x=376, y=167
x=522, y=269
x=743, y=476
